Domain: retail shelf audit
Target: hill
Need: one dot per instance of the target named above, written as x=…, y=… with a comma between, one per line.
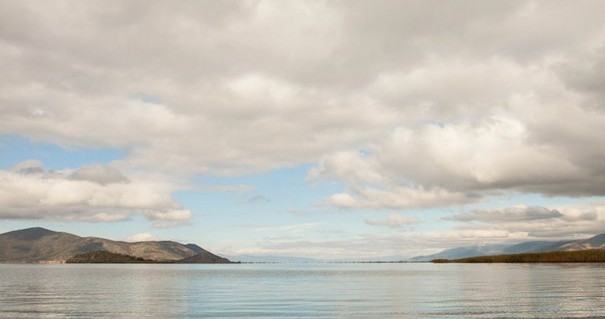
x=34, y=245
x=596, y=242
x=462, y=252
x=577, y=256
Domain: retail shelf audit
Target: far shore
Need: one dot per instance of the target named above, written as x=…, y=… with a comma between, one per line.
x=579, y=256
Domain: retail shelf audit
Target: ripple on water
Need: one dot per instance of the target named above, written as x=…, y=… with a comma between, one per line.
x=420, y=290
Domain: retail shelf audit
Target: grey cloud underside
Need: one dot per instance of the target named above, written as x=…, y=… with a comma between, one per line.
x=99, y=174
x=392, y=221
x=409, y=104
x=533, y=222
x=508, y=215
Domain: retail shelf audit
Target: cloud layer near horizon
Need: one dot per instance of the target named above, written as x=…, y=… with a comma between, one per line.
x=476, y=227
x=408, y=104
x=91, y=193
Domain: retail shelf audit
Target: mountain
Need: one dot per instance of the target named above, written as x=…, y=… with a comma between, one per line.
x=43, y=245
x=596, y=242
x=533, y=246
x=463, y=252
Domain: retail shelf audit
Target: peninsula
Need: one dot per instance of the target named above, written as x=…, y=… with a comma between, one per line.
x=39, y=245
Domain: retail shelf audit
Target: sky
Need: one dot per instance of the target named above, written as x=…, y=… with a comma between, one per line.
x=325, y=129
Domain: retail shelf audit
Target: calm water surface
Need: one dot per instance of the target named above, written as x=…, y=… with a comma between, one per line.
x=303, y=291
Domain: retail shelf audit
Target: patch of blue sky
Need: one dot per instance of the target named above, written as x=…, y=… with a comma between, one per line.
x=15, y=148
x=283, y=190
x=275, y=198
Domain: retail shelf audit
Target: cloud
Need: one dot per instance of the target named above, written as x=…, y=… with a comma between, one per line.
x=291, y=228
x=220, y=188
x=343, y=246
x=435, y=165
x=142, y=237
x=176, y=109
x=96, y=193
x=392, y=221
x=397, y=198
x=586, y=74
x=168, y=218
x=258, y=199
x=509, y=214
x=409, y=104
x=28, y=167
x=100, y=174
x=577, y=220
x=582, y=219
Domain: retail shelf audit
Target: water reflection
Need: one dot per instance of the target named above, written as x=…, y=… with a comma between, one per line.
x=303, y=291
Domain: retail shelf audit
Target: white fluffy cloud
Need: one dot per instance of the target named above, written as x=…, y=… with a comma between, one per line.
x=409, y=104
x=142, y=237
x=91, y=193
x=203, y=89
x=477, y=129
x=397, y=198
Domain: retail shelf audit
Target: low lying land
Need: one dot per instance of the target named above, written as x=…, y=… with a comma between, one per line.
x=580, y=256
x=105, y=257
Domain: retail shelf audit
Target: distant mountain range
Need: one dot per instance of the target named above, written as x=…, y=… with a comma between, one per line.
x=596, y=242
x=39, y=245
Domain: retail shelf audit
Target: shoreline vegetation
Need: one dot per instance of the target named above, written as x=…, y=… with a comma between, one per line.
x=577, y=256
x=106, y=257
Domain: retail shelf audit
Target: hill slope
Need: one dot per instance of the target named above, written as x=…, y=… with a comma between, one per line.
x=596, y=242
x=43, y=245
x=462, y=252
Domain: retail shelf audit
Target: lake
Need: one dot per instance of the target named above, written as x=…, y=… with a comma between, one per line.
x=415, y=290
